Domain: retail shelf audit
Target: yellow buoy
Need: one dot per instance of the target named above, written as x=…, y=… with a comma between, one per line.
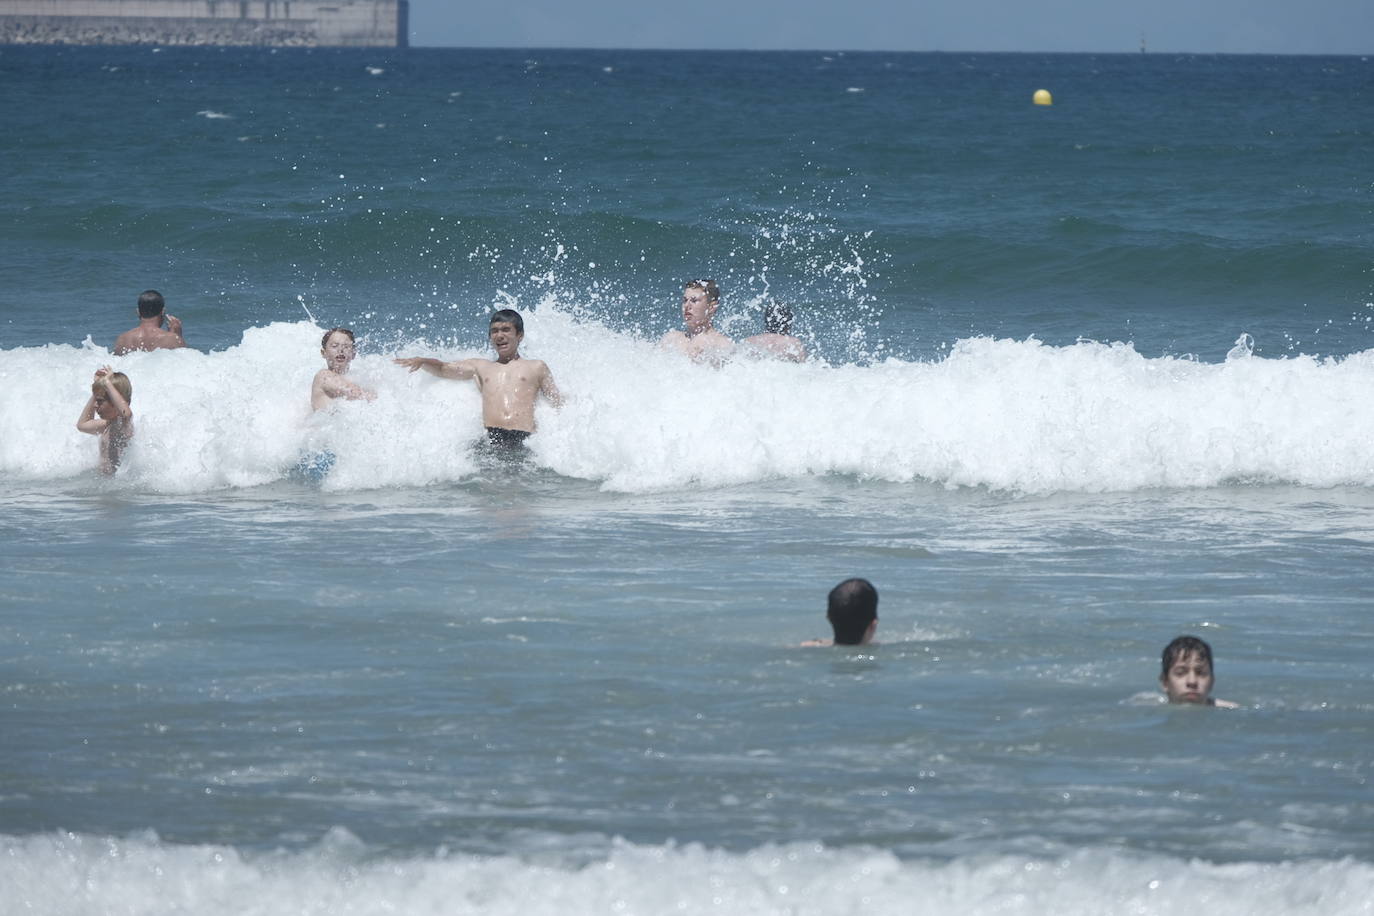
x=1042, y=97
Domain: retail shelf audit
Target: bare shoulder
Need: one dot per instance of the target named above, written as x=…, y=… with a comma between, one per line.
x=817, y=644
x=1225, y=704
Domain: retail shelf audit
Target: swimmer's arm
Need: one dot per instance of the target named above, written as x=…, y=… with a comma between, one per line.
x=550, y=390
x=462, y=369
x=174, y=326
x=117, y=399
x=1225, y=704
x=88, y=422
x=336, y=386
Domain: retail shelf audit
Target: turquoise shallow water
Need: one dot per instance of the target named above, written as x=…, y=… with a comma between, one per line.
x=434, y=684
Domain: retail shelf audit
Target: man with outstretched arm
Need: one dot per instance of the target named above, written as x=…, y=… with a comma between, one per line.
x=509, y=384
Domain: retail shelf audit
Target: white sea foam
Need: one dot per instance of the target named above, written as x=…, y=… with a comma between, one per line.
x=71, y=874
x=1014, y=415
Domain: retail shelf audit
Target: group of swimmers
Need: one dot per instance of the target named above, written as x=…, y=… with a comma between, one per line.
x=510, y=385
x=1185, y=671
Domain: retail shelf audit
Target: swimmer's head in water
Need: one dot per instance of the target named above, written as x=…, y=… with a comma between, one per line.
x=708, y=287
x=852, y=610
x=337, y=348
x=510, y=316
x=150, y=303
x=121, y=383
x=777, y=318
x=1186, y=670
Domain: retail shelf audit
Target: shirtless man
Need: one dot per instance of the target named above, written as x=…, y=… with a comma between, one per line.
x=699, y=340
x=777, y=339
x=149, y=334
x=332, y=381
x=509, y=385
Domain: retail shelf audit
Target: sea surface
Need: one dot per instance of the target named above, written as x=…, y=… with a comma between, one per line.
x=1083, y=377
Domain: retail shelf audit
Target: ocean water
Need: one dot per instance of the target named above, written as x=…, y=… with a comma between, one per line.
x=1084, y=377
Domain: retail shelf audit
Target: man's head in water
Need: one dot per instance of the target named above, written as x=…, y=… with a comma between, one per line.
x=505, y=331
x=150, y=304
x=1186, y=671
x=700, y=299
x=853, y=612
x=777, y=318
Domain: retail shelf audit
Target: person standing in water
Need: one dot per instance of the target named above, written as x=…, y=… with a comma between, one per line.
x=107, y=414
x=509, y=384
x=149, y=334
x=699, y=339
x=331, y=382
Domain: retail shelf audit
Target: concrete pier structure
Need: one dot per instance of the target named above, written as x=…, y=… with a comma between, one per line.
x=276, y=23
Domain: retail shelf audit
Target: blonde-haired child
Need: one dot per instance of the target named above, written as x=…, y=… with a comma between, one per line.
x=107, y=414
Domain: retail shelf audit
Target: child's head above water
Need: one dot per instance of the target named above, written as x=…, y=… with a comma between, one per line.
x=121, y=383
x=1186, y=671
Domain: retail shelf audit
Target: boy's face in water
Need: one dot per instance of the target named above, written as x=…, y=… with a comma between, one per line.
x=1188, y=680
x=697, y=308
x=505, y=340
x=338, y=352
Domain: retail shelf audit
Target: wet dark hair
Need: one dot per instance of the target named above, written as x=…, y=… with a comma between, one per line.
x=852, y=606
x=324, y=341
x=777, y=318
x=150, y=303
x=709, y=286
x=1185, y=645
x=510, y=315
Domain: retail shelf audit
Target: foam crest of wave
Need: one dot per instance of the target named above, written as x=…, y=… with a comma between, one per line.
x=72, y=874
x=1014, y=415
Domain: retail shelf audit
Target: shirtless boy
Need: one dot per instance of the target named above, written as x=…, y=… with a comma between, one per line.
x=149, y=334
x=332, y=381
x=107, y=414
x=777, y=339
x=699, y=339
x=1186, y=673
x=509, y=385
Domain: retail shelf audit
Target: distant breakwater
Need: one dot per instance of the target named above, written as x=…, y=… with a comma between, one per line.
x=267, y=23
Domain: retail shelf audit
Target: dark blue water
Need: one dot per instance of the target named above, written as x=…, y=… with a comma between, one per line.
x=1164, y=200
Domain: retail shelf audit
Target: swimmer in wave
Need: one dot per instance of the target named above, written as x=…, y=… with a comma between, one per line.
x=699, y=340
x=510, y=384
x=331, y=382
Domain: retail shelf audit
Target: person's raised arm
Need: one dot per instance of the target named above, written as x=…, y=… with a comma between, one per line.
x=106, y=375
x=462, y=369
x=88, y=422
x=336, y=386
x=174, y=326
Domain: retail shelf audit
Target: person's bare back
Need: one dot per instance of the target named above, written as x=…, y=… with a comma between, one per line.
x=150, y=335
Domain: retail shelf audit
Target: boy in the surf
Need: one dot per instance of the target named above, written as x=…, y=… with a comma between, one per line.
x=149, y=335
x=107, y=414
x=852, y=609
x=509, y=384
x=1186, y=673
x=699, y=339
x=777, y=340
x=332, y=381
